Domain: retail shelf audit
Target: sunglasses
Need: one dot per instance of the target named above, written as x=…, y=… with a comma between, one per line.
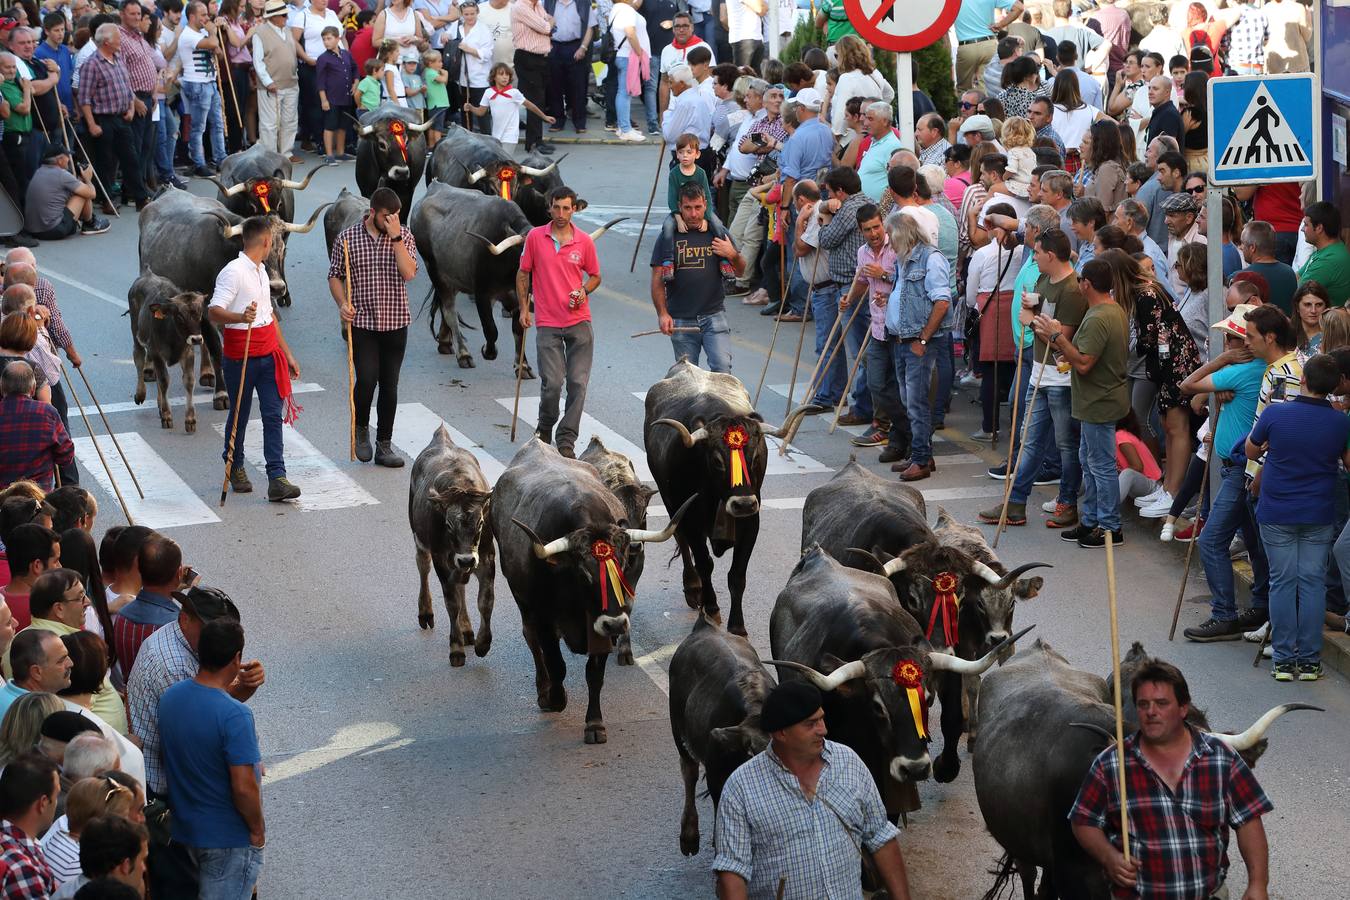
x=965, y=105
x=1199, y=189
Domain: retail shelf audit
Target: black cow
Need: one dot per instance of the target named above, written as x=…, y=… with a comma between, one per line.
x=257, y=182
x=538, y=176
x=697, y=423
x=479, y=162
x=563, y=539
x=1042, y=723
x=346, y=211
x=447, y=510
x=391, y=151
x=845, y=630
x=717, y=686
x=166, y=326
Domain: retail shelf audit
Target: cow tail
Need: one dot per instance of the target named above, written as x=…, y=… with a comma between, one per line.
x=1003, y=875
x=434, y=307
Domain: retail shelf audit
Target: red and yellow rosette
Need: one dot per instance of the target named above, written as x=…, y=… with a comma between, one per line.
x=948, y=604
x=909, y=676
x=263, y=191
x=400, y=133
x=611, y=576
x=736, y=438
x=506, y=175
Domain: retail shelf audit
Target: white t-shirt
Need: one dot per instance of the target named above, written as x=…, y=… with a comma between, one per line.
x=505, y=108
x=672, y=56
x=395, y=28
x=926, y=218
x=1020, y=206
x=739, y=165
x=240, y=283
x=498, y=21
x=400, y=97
x=313, y=25
x=1072, y=125
x=199, y=66
x=474, y=71
x=856, y=84
x=743, y=23
x=626, y=17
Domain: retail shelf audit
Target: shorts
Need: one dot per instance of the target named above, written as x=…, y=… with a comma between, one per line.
x=336, y=118
x=68, y=227
x=438, y=114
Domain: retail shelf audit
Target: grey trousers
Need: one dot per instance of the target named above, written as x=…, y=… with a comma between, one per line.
x=563, y=353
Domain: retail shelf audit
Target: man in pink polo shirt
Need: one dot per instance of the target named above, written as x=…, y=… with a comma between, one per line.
x=560, y=264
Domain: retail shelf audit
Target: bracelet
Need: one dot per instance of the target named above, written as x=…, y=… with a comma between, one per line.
x=1055, y=337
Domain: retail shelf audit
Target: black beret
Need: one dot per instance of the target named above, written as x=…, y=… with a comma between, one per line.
x=64, y=725
x=789, y=703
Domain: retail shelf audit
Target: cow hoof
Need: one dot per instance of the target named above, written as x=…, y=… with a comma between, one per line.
x=483, y=644
x=553, y=700
x=444, y=349
x=489, y=351
x=138, y=398
x=595, y=733
x=946, y=768
x=166, y=421
x=456, y=659
x=220, y=401
x=190, y=426
x=465, y=362
x=693, y=597
x=689, y=842
x=624, y=657
x=426, y=620
x=466, y=635
x=208, y=379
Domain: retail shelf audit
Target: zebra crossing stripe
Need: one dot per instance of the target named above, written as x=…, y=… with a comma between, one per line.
x=932, y=495
x=323, y=484
x=590, y=427
x=168, y=503
x=415, y=425
x=201, y=395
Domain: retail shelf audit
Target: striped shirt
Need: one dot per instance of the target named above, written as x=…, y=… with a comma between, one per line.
x=165, y=659
x=56, y=326
x=62, y=851
x=1281, y=382
x=768, y=830
x=139, y=60
x=105, y=86
x=134, y=623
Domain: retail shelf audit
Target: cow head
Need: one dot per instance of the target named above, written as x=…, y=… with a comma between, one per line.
x=181, y=313
x=398, y=144
x=275, y=263
x=538, y=176
x=736, y=744
x=464, y=512
x=264, y=195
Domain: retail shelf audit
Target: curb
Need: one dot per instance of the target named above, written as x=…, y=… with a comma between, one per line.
x=1335, y=646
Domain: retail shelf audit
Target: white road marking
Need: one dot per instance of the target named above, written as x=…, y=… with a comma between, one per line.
x=348, y=741
x=120, y=303
x=654, y=663
x=416, y=424
x=798, y=398
x=590, y=427
x=168, y=503
x=632, y=226
x=931, y=495
x=322, y=483
x=176, y=398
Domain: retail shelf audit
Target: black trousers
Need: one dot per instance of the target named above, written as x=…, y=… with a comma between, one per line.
x=146, y=132
x=117, y=145
x=69, y=474
x=532, y=75
x=311, y=110
x=567, y=84
x=1003, y=372
x=235, y=98
x=16, y=154
x=378, y=358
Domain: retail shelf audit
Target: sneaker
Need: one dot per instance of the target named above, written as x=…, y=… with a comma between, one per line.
x=279, y=489
x=635, y=137
x=1071, y=535
x=239, y=481
x=1050, y=506
x=1284, y=671
x=1150, y=498
x=1309, y=671
x=329, y=159
x=1158, y=509
x=177, y=182
x=1096, y=540
x=998, y=473
x=1043, y=477
x=1337, y=622
x=984, y=437
x=1066, y=516
x=736, y=289
x=345, y=157
x=653, y=128
x=1258, y=635
x=894, y=454
x=1017, y=514
x=873, y=437
x=202, y=172
x=95, y=225
x=1212, y=630
x=1167, y=531
x=969, y=380
x=1237, y=548
x=1251, y=618
x=1190, y=532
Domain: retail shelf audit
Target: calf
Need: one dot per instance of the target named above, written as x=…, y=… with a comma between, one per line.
x=717, y=686
x=447, y=510
x=166, y=324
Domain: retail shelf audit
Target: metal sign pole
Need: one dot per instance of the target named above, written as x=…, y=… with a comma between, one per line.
x=1218, y=311
x=904, y=93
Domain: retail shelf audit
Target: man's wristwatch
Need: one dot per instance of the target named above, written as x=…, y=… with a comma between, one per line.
x=923, y=342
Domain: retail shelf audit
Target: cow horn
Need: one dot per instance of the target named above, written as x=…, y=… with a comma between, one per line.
x=790, y=425
x=499, y=249
x=868, y=554
x=1249, y=738
x=595, y=235
x=306, y=228
x=1007, y=580
x=945, y=662
x=540, y=173
x=231, y=230
x=301, y=185
x=893, y=566
x=542, y=550
x=656, y=537
x=227, y=191
x=689, y=439
x=847, y=672
x=366, y=130
x=478, y=176
x=422, y=127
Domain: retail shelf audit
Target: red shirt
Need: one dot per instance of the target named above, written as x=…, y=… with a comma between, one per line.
x=1280, y=205
x=361, y=50
x=18, y=607
x=555, y=272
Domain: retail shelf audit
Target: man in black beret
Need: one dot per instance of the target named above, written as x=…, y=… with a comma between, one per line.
x=800, y=813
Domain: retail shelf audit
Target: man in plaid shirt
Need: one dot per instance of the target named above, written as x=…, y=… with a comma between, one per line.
x=29, y=788
x=32, y=438
x=1185, y=790
x=1247, y=40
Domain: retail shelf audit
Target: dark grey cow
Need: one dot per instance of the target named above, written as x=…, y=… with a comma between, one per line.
x=257, y=182
x=563, y=538
x=538, y=176
x=391, y=151
x=717, y=686
x=346, y=211
x=1042, y=722
x=166, y=328
x=447, y=509
x=479, y=162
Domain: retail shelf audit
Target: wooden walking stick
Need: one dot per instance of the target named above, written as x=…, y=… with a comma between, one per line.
x=99, y=450
x=98, y=182
x=234, y=95
x=220, y=89
x=351, y=366
x=234, y=427
x=801, y=336
x=90, y=388
x=677, y=329
x=1017, y=400
x=851, y=375
x=1017, y=463
x=777, y=322
x=660, y=157
x=1115, y=677
x=823, y=364
x=520, y=373
x=1195, y=539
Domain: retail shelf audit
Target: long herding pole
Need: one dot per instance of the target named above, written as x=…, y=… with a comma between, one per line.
x=99, y=450
x=238, y=403
x=660, y=157
x=1115, y=676
x=98, y=182
x=777, y=323
x=823, y=364
x=90, y=388
x=1195, y=536
x=851, y=375
x=782, y=310
x=351, y=366
x=1017, y=463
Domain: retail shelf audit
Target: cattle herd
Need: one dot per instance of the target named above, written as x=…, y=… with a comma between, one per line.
x=883, y=612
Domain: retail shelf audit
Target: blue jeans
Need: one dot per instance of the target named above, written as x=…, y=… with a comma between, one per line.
x=622, y=99
x=261, y=377
x=1229, y=513
x=879, y=367
x=946, y=373
x=914, y=374
x=1337, y=577
x=1051, y=417
x=227, y=873
x=1101, y=486
x=1298, y=589
x=649, y=99
x=825, y=309
x=202, y=103
x=714, y=339
x=165, y=141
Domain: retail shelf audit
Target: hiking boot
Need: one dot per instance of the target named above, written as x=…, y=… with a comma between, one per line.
x=1309, y=671
x=1017, y=514
x=852, y=418
x=893, y=454
x=1251, y=619
x=873, y=437
x=544, y=434
x=1284, y=671
x=385, y=456
x=363, y=449
x=239, y=481
x=1096, y=539
x=279, y=489
x=1071, y=535
x=1066, y=516
x=1212, y=630
x=567, y=452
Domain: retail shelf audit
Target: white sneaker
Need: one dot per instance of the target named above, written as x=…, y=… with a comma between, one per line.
x=1149, y=499
x=969, y=380
x=636, y=137
x=1050, y=506
x=1258, y=635
x=1156, y=510
x=1167, y=530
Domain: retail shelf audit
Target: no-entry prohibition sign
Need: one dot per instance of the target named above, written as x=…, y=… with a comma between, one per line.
x=902, y=27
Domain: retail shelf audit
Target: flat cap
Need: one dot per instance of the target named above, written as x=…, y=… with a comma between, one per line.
x=787, y=704
x=1181, y=203
x=64, y=725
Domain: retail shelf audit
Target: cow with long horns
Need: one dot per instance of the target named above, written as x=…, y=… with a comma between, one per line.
x=479, y=162
x=257, y=182
x=1042, y=723
x=563, y=539
x=845, y=630
x=704, y=439
x=391, y=151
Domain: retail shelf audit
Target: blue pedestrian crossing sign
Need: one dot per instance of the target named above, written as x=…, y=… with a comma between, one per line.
x=1263, y=128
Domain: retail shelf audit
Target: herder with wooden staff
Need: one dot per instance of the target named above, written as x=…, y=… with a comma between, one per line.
x=1177, y=849
x=242, y=306
x=378, y=257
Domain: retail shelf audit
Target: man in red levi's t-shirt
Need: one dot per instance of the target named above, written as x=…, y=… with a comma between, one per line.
x=558, y=271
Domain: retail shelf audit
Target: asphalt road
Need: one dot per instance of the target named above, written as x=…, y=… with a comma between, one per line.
x=392, y=775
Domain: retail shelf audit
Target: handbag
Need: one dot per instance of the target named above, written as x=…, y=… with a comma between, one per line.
x=609, y=51
x=452, y=57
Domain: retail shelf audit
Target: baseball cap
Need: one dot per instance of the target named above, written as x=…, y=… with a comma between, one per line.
x=809, y=98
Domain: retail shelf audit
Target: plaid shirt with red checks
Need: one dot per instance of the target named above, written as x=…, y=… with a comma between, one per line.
x=24, y=874
x=140, y=63
x=1180, y=839
x=32, y=442
x=379, y=293
x=56, y=326
x=105, y=85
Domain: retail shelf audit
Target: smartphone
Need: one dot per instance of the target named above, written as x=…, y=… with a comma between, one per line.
x=190, y=577
x=757, y=139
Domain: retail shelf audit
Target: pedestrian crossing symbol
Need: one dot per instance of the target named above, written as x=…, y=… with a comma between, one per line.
x=1263, y=128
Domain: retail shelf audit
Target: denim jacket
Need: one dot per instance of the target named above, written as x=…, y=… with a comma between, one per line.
x=921, y=281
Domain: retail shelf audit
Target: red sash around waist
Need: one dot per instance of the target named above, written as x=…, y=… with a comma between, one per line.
x=263, y=341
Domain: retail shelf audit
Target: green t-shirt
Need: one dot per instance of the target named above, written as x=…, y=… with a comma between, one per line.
x=438, y=95
x=17, y=123
x=1329, y=267
x=836, y=20
x=1070, y=305
x=678, y=180
x=370, y=92
x=1102, y=396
